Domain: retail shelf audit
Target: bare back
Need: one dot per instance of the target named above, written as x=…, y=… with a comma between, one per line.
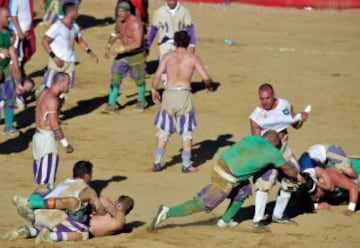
x=180, y=66
x=46, y=109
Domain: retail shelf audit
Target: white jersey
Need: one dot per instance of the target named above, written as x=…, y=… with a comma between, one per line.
x=21, y=9
x=63, y=40
x=277, y=119
x=68, y=188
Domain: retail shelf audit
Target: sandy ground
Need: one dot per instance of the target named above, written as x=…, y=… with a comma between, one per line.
x=311, y=57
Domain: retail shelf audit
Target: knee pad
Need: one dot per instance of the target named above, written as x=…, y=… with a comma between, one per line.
x=267, y=180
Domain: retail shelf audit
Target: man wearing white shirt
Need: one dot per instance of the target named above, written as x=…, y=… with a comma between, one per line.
x=274, y=114
x=59, y=43
x=167, y=20
x=21, y=24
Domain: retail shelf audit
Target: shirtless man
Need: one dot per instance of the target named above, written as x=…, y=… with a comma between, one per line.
x=177, y=112
x=336, y=174
x=48, y=130
x=130, y=57
x=55, y=225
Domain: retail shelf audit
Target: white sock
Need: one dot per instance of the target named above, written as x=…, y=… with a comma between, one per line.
x=261, y=198
x=33, y=231
x=281, y=203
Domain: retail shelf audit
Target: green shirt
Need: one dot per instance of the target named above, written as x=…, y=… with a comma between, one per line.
x=5, y=43
x=250, y=155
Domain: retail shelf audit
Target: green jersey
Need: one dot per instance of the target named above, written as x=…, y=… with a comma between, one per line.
x=5, y=43
x=250, y=155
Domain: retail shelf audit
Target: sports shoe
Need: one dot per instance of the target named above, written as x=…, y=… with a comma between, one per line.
x=156, y=167
x=11, y=131
x=160, y=216
x=281, y=220
x=43, y=236
x=111, y=109
x=223, y=224
x=20, y=233
x=259, y=225
x=141, y=106
x=23, y=209
x=190, y=169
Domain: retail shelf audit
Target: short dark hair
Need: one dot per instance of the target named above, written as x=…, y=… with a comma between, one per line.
x=127, y=202
x=68, y=6
x=81, y=168
x=60, y=76
x=266, y=86
x=182, y=39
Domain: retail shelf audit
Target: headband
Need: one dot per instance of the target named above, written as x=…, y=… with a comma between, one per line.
x=123, y=7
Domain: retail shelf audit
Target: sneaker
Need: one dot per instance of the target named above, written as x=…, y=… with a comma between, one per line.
x=141, y=106
x=281, y=220
x=111, y=109
x=223, y=224
x=23, y=209
x=43, y=236
x=259, y=225
x=11, y=131
x=160, y=216
x=20, y=233
x=156, y=167
x=190, y=169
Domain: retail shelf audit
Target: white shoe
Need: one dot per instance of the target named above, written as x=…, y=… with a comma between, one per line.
x=43, y=236
x=20, y=233
x=223, y=224
x=160, y=216
x=23, y=209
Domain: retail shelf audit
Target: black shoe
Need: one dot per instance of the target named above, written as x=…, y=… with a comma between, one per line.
x=156, y=167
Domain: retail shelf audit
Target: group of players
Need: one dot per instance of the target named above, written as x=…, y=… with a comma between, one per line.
x=320, y=171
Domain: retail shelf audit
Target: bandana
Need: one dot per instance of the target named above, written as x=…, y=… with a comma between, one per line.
x=123, y=7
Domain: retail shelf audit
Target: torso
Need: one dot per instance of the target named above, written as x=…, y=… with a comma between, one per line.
x=42, y=110
x=278, y=119
x=180, y=66
x=127, y=28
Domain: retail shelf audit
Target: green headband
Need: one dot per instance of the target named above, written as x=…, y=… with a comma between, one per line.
x=123, y=7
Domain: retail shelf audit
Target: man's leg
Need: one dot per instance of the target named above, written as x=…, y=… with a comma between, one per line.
x=118, y=71
x=8, y=94
x=263, y=185
x=45, y=169
x=206, y=200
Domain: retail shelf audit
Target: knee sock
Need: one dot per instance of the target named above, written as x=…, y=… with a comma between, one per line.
x=113, y=94
x=158, y=155
x=9, y=116
x=141, y=92
x=261, y=198
x=33, y=231
x=281, y=203
x=231, y=211
x=186, y=155
x=187, y=208
x=36, y=201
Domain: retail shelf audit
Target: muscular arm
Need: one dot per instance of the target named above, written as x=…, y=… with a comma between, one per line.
x=85, y=47
x=343, y=182
x=15, y=68
x=46, y=41
x=255, y=128
x=289, y=171
x=53, y=116
x=89, y=195
x=199, y=67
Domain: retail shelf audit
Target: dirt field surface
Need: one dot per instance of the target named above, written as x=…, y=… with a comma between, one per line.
x=310, y=57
